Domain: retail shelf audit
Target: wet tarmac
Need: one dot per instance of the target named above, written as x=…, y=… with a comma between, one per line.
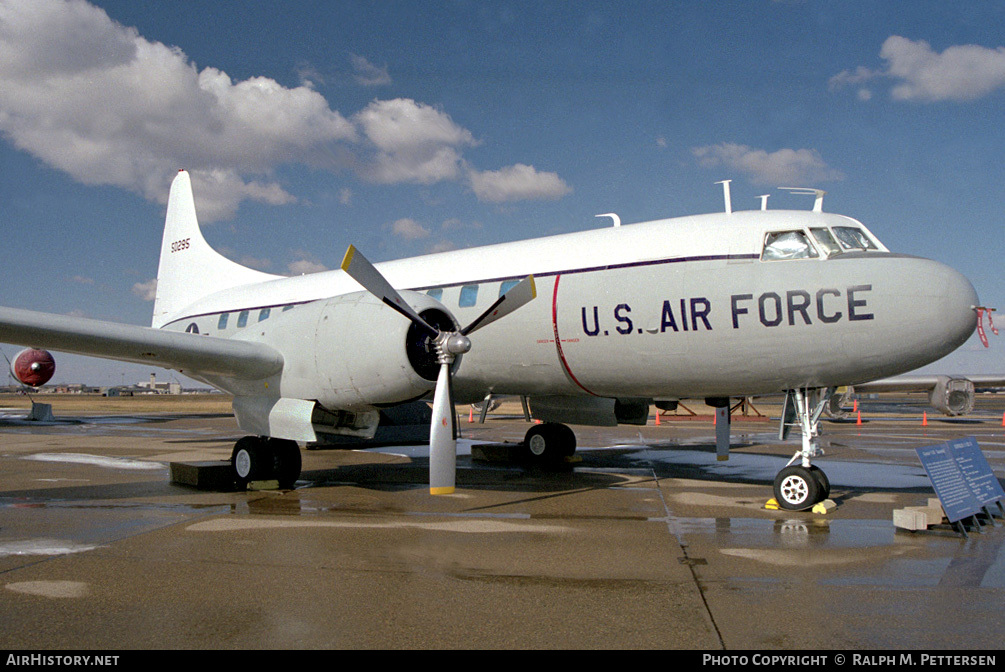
x=646, y=542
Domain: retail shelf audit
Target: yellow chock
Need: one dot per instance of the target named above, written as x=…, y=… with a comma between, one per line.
x=824, y=507
x=772, y=504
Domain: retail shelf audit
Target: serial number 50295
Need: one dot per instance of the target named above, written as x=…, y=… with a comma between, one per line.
x=179, y=245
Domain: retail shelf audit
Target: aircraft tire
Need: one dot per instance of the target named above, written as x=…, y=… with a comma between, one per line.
x=822, y=481
x=286, y=458
x=249, y=461
x=796, y=488
x=548, y=443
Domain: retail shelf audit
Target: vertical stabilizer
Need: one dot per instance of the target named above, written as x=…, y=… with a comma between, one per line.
x=189, y=268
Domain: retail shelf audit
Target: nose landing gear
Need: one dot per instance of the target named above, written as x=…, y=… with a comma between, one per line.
x=800, y=487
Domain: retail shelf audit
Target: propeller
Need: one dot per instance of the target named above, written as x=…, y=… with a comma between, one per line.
x=448, y=346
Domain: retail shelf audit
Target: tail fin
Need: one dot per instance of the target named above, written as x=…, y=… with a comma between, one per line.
x=189, y=268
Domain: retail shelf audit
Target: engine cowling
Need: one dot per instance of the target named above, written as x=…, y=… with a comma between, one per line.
x=33, y=367
x=352, y=352
x=952, y=396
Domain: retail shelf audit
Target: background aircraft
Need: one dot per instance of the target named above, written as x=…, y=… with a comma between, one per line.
x=951, y=395
x=592, y=327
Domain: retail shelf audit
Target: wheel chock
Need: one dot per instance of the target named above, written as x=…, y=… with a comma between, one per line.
x=824, y=507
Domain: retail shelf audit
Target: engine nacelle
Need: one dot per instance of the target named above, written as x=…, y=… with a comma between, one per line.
x=839, y=404
x=33, y=367
x=952, y=396
x=352, y=352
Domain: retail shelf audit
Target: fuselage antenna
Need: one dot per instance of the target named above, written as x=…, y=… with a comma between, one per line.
x=725, y=196
x=614, y=218
x=818, y=204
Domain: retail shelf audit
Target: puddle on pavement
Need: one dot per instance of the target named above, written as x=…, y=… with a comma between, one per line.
x=881, y=556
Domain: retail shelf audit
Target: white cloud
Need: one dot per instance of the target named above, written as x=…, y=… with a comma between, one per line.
x=518, y=182
x=414, y=142
x=791, y=167
x=146, y=290
x=960, y=73
x=304, y=266
x=369, y=74
x=96, y=100
x=409, y=229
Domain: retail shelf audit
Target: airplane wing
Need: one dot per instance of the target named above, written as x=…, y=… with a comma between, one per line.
x=181, y=351
x=919, y=383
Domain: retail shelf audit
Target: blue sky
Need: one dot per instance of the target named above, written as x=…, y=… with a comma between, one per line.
x=410, y=127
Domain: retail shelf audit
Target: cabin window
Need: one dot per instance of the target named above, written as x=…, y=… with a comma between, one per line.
x=242, y=319
x=264, y=315
x=222, y=324
x=289, y=307
x=787, y=245
x=469, y=296
x=436, y=293
x=508, y=285
x=826, y=241
x=853, y=238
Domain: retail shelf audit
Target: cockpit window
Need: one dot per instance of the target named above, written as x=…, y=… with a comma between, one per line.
x=853, y=238
x=826, y=241
x=787, y=245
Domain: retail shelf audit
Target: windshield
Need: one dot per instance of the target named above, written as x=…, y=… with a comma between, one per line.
x=787, y=245
x=826, y=241
x=853, y=238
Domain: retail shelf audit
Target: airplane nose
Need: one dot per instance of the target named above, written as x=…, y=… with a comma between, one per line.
x=952, y=301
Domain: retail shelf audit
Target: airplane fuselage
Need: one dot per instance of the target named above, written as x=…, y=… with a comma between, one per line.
x=676, y=308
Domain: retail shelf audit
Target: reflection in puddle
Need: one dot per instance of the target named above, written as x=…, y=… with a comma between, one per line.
x=859, y=552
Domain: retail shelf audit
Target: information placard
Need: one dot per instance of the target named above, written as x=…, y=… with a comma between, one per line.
x=951, y=487
x=976, y=470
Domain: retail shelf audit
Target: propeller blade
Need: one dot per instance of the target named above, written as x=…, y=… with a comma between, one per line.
x=362, y=271
x=442, y=440
x=516, y=297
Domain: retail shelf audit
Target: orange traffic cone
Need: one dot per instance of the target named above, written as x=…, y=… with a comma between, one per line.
x=924, y=418
x=1003, y=419
x=471, y=415
x=859, y=420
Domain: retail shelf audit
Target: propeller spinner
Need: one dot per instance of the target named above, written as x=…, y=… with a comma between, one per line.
x=448, y=345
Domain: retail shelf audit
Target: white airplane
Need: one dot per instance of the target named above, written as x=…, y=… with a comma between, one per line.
x=716, y=306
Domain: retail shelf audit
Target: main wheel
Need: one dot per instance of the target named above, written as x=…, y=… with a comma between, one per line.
x=286, y=458
x=549, y=443
x=796, y=489
x=250, y=461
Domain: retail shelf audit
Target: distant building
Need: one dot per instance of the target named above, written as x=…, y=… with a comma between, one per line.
x=153, y=387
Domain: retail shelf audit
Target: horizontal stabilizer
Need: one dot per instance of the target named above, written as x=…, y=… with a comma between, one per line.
x=183, y=352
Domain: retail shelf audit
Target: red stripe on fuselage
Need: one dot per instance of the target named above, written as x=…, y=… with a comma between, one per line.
x=558, y=340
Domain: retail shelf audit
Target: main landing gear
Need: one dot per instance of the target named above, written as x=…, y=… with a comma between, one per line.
x=799, y=486
x=261, y=458
x=548, y=443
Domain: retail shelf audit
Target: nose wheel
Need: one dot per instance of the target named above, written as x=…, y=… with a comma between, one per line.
x=798, y=488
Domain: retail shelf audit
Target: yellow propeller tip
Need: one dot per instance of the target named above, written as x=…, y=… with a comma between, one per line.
x=441, y=491
x=347, y=259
